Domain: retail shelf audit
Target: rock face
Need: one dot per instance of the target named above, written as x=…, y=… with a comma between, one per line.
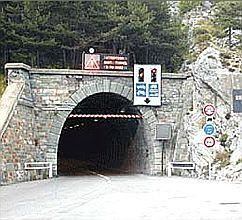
x=216, y=73
x=214, y=83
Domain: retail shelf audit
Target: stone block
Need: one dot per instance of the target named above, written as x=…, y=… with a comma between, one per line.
x=147, y=114
x=130, y=95
x=113, y=86
x=94, y=88
x=119, y=88
x=53, y=138
x=9, y=167
x=152, y=119
x=78, y=96
x=100, y=86
x=56, y=130
x=52, y=150
x=126, y=91
x=87, y=89
x=106, y=85
x=51, y=156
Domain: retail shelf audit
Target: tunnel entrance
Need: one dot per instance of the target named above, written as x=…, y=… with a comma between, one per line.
x=104, y=134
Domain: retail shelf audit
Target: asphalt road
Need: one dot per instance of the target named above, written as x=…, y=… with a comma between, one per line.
x=121, y=198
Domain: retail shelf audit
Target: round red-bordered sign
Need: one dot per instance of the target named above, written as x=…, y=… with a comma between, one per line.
x=209, y=110
x=209, y=141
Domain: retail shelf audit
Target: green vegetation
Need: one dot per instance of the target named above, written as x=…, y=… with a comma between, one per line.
x=207, y=30
x=223, y=139
x=228, y=16
x=239, y=161
x=223, y=158
x=2, y=84
x=54, y=33
x=187, y=5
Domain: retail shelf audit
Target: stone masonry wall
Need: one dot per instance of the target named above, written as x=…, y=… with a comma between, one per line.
x=50, y=95
x=17, y=144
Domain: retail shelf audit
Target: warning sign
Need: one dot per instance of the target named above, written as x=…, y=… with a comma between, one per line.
x=92, y=62
x=105, y=62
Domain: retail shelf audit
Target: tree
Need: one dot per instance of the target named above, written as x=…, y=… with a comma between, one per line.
x=229, y=16
x=187, y=5
x=54, y=34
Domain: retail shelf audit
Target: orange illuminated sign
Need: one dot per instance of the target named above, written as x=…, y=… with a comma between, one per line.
x=105, y=62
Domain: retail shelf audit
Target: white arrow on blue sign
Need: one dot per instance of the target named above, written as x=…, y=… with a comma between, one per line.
x=209, y=129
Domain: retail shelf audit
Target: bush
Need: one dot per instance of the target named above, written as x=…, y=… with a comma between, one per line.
x=223, y=139
x=203, y=38
x=223, y=158
x=186, y=5
x=239, y=161
x=207, y=30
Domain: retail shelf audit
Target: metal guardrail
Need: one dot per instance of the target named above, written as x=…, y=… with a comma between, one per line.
x=180, y=165
x=39, y=166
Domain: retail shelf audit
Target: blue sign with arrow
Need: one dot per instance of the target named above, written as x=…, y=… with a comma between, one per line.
x=209, y=129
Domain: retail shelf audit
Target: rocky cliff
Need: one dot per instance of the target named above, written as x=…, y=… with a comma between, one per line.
x=216, y=71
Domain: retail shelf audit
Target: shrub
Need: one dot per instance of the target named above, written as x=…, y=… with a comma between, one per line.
x=239, y=161
x=223, y=158
x=223, y=139
x=186, y=5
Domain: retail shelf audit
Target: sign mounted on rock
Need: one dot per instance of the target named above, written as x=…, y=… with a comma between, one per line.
x=237, y=100
x=147, y=85
x=209, y=129
x=209, y=110
x=209, y=141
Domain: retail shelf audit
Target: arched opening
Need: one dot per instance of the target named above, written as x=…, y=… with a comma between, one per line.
x=104, y=135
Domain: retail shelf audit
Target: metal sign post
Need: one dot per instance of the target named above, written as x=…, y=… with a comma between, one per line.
x=209, y=129
x=163, y=133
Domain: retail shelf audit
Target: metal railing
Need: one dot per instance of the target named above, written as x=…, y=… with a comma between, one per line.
x=39, y=166
x=180, y=165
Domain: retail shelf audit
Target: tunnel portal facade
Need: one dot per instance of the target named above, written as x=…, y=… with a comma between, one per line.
x=41, y=126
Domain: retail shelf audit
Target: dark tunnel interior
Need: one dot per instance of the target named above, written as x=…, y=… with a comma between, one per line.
x=97, y=144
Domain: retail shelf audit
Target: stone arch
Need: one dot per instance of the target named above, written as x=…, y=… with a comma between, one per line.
x=94, y=87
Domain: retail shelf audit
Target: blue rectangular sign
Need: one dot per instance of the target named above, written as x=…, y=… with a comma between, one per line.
x=153, y=90
x=140, y=89
x=237, y=100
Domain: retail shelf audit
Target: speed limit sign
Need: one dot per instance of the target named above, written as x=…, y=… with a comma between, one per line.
x=209, y=141
x=209, y=110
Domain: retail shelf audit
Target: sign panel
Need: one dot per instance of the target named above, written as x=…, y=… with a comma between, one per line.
x=209, y=110
x=92, y=62
x=105, y=62
x=140, y=89
x=209, y=141
x=114, y=62
x=209, y=129
x=237, y=100
x=147, y=85
x=163, y=132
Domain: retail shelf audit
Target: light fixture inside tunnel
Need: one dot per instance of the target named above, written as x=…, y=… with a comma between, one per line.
x=98, y=136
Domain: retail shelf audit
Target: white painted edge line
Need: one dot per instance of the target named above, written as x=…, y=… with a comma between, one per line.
x=108, y=179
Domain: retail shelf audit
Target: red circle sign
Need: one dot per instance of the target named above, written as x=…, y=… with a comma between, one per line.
x=209, y=141
x=209, y=110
